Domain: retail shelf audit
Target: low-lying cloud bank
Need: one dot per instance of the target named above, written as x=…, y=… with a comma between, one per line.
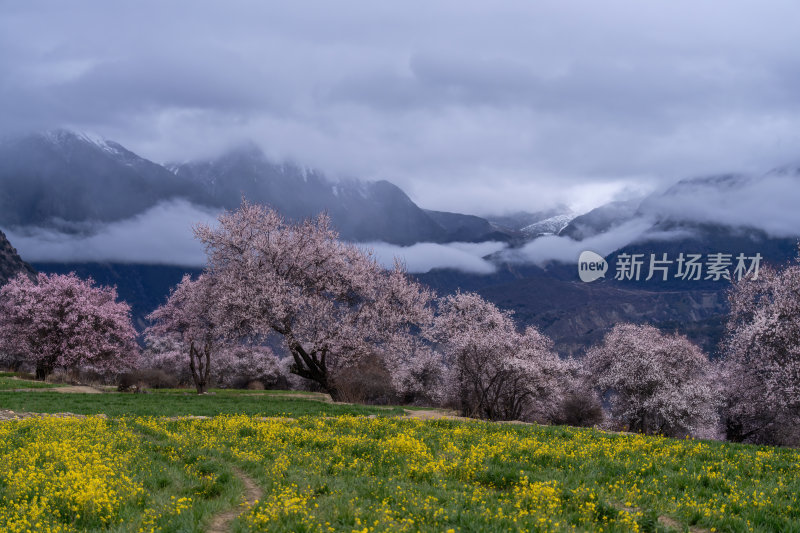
x=566, y=250
x=161, y=235
x=425, y=256
x=768, y=202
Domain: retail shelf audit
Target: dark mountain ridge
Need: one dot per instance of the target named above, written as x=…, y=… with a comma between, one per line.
x=70, y=181
x=11, y=263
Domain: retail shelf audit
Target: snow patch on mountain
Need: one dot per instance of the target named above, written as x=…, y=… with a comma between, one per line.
x=549, y=226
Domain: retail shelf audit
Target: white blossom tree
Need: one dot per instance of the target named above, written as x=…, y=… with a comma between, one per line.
x=231, y=363
x=761, y=369
x=330, y=301
x=493, y=370
x=655, y=382
x=189, y=319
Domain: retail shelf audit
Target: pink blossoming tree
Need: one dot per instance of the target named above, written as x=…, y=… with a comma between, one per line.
x=495, y=371
x=761, y=369
x=230, y=365
x=656, y=383
x=64, y=321
x=190, y=321
x=330, y=301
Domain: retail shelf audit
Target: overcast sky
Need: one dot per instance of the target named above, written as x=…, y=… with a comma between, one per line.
x=471, y=106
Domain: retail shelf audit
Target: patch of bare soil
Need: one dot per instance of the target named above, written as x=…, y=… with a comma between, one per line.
x=86, y=389
x=677, y=526
x=665, y=521
x=222, y=522
x=7, y=414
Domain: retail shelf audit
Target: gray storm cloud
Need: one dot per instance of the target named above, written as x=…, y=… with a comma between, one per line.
x=769, y=202
x=546, y=101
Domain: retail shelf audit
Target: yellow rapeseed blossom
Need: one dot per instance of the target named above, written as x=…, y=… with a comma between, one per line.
x=62, y=474
x=384, y=474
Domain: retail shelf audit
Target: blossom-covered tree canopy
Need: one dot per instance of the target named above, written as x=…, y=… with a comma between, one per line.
x=656, y=383
x=190, y=319
x=64, y=321
x=762, y=357
x=494, y=371
x=330, y=300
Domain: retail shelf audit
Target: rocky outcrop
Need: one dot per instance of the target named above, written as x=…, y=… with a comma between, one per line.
x=11, y=263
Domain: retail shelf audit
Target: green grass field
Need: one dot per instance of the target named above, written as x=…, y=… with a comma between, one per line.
x=327, y=467
x=11, y=382
x=181, y=403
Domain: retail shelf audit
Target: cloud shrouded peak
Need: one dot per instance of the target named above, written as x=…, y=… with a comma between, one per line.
x=467, y=106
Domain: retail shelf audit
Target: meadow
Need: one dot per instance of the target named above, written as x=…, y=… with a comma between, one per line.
x=325, y=467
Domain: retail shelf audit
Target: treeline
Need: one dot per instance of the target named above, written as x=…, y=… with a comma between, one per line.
x=361, y=332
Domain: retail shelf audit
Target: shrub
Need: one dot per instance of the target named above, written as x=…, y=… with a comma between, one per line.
x=255, y=385
x=367, y=382
x=579, y=409
x=147, y=378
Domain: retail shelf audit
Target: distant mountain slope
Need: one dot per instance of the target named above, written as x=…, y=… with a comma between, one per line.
x=11, y=263
x=361, y=211
x=468, y=228
x=576, y=314
x=600, y=219
x=518, y=220
x=71, y=181
x=66, y=179
x=549, y=226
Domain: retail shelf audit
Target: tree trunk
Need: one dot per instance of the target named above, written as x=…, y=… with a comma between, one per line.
x=199, y=363
x=42, y=371
x=309, y=366
x=334, y=392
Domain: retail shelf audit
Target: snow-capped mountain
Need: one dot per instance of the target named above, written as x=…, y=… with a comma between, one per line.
x=361, y=210
x=516, y=222
x=64, y=179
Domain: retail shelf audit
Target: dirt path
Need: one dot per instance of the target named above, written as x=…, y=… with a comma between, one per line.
x=222, y=522
x=7, y=414
x=78, y=388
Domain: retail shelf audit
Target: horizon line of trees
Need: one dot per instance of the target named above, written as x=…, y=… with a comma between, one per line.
x=361, y=332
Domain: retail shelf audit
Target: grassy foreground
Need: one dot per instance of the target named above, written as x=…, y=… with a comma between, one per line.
x=183, y=402
x=330, y=471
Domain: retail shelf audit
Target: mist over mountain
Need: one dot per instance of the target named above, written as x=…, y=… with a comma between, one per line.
x=69, y=181
x=600, y=219
x=74, y=182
